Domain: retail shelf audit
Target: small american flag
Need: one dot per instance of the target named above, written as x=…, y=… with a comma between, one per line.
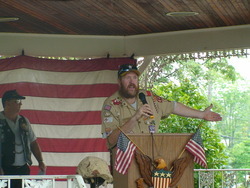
x=124, y=154
x=195, y=147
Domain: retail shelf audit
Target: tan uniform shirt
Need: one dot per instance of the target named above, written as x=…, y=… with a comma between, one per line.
x=116, y=112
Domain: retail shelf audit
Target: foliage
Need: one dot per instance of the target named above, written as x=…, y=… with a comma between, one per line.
x=211, y=79
x=240, y=157
x=235, y=129
x=188, y=94
x=236, y=114
x=202, y=73
x=241, y=154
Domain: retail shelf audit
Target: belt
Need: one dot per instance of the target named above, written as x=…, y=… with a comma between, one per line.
x=15, y=167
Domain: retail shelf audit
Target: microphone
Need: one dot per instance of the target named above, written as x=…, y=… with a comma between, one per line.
x=151, y=127
x=143, y=98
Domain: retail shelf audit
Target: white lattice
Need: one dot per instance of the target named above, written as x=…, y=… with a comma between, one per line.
x=37, y=183
x=45, y=181
x=3, y=183
x=229, y=179
x=206, y=179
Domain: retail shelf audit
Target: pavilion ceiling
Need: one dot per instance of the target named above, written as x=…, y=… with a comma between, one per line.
x=119, y=17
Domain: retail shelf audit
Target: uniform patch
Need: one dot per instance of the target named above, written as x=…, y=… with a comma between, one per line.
x=107, y=107
x=158, y=99
x=107, y=113
x=108, y=131
x=108, y=119
x=116, y=102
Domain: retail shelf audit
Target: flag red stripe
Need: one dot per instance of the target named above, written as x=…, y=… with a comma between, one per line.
x=60, y=91
x=63, y=65
x=131, y=154
x=63, y=118
x=55, y=170
x=168, y=182
x=197, y=151
x=196, y=148
x=161, y=182
x=46, y=88
x=72, y=145
x=158, y=184
x=200, y=161
x=197, y=154
x=123, y=159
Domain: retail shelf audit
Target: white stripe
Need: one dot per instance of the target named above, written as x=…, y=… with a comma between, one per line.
x=199, y=154
x=127, y=160
x=197, y=149
x=59, y=131
x=65, y=78
x=69, y=159
x=62, y=104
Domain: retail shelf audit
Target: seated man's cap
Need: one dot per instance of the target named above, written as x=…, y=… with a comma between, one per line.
x=11, y=94
x=126, y=68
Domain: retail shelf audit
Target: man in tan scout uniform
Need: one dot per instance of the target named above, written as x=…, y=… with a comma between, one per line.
x=125, y=111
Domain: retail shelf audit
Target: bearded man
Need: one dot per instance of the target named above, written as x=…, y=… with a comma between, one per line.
x=124, y=111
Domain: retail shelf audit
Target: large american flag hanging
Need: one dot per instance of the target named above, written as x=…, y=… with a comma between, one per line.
x=63, y=103
x=195, y=147
x=124, y=154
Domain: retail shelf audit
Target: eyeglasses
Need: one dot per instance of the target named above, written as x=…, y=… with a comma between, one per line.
x=18, y=101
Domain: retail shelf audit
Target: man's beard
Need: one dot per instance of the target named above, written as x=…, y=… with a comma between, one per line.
x=126, y=94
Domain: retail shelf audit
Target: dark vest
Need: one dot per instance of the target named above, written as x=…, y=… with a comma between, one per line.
x=8, y=143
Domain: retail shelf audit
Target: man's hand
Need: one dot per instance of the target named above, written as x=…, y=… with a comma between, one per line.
x=211, y=116
x=144, y=110
x=42, y=166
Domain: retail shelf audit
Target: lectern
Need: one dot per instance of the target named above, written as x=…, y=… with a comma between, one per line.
x=166, y=146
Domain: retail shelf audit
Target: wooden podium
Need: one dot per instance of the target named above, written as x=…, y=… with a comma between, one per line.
x=166, y=146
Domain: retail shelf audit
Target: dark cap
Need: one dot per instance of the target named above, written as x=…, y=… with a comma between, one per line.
x=126, y=68
x=11, y=94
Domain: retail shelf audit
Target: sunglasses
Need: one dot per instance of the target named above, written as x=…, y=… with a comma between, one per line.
x=17, y=101
x=126, y=68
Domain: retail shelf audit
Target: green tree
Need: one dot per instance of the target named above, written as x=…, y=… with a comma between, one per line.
x=201, y=73
x=240, y=154
x=171, y=79
x=235, y=102
x=189, y=95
